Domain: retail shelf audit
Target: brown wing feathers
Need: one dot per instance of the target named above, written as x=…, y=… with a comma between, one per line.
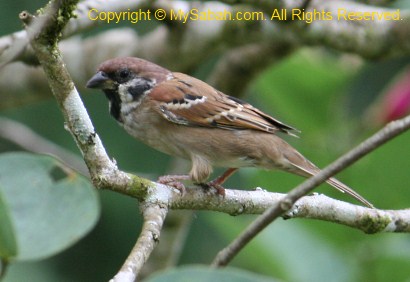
x=210, y=108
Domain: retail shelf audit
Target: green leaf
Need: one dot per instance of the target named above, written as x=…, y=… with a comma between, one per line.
x=49, y=208
x=8, y=245
x=207, y=274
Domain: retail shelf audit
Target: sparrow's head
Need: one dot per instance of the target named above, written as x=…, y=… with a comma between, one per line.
x=127, y=80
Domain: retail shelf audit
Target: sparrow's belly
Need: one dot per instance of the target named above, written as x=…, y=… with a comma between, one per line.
x=234, y=150
x=219, y=147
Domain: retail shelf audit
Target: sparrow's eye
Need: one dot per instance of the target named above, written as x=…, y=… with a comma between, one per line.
x=124, y=75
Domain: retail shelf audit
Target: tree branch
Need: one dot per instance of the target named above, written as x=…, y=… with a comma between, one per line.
x=368, y=220
x=154, y=216
x=238, y=202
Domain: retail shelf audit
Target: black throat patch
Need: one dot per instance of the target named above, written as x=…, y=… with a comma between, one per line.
x=115, y=103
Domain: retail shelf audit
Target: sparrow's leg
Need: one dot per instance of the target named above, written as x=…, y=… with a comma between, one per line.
x=217, y=182
x=174, y=181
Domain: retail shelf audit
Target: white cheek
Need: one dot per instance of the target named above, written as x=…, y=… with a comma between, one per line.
x=124, y=94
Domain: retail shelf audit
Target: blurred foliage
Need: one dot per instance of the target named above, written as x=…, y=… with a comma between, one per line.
x=326, y=96
x=40, y=200
x=205, y=274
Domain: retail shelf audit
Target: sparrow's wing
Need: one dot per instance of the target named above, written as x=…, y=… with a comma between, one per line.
x=195, y=103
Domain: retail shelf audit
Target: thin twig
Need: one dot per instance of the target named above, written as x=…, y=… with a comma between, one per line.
x=103, y=171
x=174, y=233
x=387, y=133
x=154, y=216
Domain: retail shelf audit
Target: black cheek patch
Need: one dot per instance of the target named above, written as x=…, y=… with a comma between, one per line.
x=138, y=90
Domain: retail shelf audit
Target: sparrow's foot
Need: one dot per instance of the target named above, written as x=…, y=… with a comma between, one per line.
x=213, y=184
x=174, y=181
x=217, y=182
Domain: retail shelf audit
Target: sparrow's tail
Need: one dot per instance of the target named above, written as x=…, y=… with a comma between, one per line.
x=303, y=167
x=345, y=189
x=334, y=182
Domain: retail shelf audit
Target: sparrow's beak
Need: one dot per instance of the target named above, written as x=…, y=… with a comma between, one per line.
x=100, y=80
